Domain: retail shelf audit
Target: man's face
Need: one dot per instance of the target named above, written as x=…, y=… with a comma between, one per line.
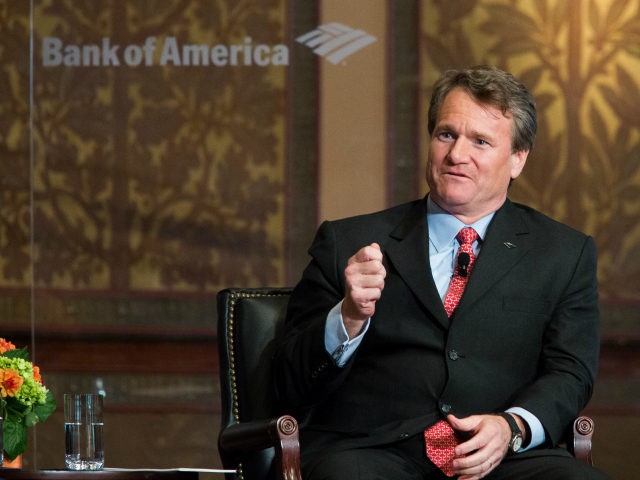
x=470, y=161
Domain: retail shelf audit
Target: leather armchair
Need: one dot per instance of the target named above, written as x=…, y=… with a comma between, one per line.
x=254, y=441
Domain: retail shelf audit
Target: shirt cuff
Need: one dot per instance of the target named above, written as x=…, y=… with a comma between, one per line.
x=336, y=339
x=535, y=427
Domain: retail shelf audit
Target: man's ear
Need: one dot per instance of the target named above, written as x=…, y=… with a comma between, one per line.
x=518, y=159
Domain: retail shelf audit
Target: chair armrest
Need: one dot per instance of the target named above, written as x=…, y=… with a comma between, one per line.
x=580, y=444
x=280, y=433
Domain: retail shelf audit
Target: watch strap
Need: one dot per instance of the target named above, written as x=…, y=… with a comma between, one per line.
x=515, y=432
x=512, y=423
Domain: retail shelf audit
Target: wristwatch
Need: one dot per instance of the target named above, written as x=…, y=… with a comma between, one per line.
x=515, y=444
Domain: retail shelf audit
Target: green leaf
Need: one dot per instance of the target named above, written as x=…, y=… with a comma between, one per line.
x=17, y=353
x=30, y=419
x=43, y=411
x=15, y=438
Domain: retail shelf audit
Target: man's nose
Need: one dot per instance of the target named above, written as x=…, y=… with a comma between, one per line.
x=459, y=150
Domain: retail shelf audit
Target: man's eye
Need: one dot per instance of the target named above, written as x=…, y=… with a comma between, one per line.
x=481, y=141
x=445, y=135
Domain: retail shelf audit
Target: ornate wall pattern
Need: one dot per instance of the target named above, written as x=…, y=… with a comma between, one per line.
x=14, y=143
x=143, y=166
x=164, y=176
x=581, y=60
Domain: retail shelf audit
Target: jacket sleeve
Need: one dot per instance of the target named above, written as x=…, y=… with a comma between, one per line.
x=569, y=356
x=305, y=374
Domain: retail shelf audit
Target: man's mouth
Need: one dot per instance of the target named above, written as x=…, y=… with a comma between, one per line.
x=456, y=174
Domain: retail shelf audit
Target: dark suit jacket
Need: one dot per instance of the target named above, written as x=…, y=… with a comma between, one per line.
x=525, y=332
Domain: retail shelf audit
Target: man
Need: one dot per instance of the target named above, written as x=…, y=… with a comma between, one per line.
x=459, y=312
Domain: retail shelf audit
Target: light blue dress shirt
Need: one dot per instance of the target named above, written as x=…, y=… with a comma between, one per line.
x=443, y=248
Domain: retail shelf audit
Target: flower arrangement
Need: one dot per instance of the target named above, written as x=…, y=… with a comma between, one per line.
x=24, y=400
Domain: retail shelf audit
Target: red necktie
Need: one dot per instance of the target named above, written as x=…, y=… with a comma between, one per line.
x=440, y=439
x=465, y=237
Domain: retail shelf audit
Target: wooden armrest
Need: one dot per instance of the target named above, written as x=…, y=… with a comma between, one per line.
x=280, y=433
x=583, y=428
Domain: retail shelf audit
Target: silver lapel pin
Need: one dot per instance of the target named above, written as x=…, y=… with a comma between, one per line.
x=509, y=245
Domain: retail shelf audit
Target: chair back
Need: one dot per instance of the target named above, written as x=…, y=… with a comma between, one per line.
x=249, y=319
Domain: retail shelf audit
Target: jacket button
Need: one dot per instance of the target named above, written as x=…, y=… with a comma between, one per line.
x=321, y=368
x=453, y=355
x=445, y=407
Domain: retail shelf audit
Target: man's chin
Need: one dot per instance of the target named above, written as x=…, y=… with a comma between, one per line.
x=452, y=202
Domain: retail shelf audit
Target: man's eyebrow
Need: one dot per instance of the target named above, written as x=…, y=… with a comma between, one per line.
x=443, y=126
x=482, y=134
x=486, y=134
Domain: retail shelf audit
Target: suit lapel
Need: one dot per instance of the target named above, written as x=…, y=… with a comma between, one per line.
x=506, y=242
x=408, y=251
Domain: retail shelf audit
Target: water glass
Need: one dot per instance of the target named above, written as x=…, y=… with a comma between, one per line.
x=83, y=426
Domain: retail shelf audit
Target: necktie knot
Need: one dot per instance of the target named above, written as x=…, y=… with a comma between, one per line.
x=467, y=236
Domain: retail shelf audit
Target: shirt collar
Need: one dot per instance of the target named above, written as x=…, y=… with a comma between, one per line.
x=443, y=227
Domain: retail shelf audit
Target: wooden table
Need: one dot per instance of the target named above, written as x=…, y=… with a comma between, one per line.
x=21, y=474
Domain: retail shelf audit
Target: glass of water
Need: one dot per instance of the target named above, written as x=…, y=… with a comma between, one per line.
x=83, y=427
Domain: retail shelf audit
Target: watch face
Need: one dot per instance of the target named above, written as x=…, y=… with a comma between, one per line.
x=516, y=443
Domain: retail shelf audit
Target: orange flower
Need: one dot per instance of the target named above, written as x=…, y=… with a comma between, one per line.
x=10, y=382
x=6, y=346
x=36, y=374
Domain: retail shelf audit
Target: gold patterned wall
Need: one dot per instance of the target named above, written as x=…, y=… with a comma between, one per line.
x=153, y=136
x=14, y=143
x=143, y=167
x=581, y=59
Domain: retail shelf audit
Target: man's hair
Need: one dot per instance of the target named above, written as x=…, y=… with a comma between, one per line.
x=492, y=86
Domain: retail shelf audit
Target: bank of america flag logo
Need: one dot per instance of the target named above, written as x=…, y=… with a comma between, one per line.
x=335, y=41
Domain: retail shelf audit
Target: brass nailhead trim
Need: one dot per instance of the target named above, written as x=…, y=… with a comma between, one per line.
x=232, y=354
